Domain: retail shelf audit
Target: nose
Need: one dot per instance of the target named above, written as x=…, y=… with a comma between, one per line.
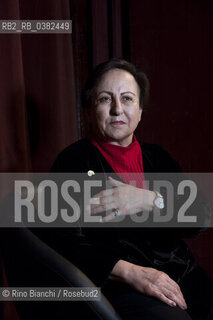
x=116, y=106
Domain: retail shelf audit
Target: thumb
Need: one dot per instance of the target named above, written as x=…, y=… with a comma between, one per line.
x=114, y=182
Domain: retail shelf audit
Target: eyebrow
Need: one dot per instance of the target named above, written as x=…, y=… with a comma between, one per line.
x=110, y=93
x=104, y=91
x=128, y=92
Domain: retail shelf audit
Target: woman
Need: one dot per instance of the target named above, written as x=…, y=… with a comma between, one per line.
x=147, y=274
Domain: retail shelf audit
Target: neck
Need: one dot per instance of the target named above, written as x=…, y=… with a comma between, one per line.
x=121, y=143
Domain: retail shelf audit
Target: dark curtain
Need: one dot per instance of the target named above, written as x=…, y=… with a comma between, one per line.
x=172, y=42
x=38, y=109
x=38, y=115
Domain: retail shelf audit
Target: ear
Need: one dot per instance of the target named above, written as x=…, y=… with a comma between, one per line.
x=140, y=113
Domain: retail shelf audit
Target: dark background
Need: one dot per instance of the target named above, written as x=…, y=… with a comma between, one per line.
x=42, y=75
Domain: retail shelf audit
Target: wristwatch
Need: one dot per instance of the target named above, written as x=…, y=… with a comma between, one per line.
x=158, y=201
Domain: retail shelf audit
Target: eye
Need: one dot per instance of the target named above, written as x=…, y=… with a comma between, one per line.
x=104, y=99
x=127, y=98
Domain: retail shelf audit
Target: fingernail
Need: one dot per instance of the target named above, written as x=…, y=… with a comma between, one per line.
x=94, y=201
x=173, y=304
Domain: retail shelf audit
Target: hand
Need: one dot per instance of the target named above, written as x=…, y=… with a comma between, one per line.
x=123, y=197
x=150, y=282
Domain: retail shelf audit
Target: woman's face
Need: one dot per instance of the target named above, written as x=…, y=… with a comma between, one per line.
x=115, y=111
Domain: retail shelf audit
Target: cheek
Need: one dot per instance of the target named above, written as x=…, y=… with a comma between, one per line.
x=100, y=118
x=101, y=114
x=135, y=116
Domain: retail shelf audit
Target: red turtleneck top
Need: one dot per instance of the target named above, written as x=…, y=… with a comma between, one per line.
x=126, y=160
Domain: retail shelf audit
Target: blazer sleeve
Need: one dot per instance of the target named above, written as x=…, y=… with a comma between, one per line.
x=162, y=162
x=93, y=250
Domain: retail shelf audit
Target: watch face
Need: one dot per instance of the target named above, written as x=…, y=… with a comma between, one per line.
x=159, y=202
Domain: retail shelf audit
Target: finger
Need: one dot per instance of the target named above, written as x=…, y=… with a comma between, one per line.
x=159, y=295
x=109, y=217
x=177, y=298
x=102, y=207
x=102, y=194
x=102, y=201
x=114, y=182
x=99, y=199
x=173, y=283
x=175, y=288
x=170, y=284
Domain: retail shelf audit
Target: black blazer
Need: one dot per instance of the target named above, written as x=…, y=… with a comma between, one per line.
x=96, y=251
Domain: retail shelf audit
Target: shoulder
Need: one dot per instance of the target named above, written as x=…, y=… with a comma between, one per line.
x=77, y=147
x=154, y=149
x=73, y=157
x=157, y=159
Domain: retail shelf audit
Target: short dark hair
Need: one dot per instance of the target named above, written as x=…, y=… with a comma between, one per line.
x=115, y=63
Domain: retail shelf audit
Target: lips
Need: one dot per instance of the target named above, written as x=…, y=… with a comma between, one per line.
x=117, y=123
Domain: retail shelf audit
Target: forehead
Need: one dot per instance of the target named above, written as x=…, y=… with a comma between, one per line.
x=117, y=80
